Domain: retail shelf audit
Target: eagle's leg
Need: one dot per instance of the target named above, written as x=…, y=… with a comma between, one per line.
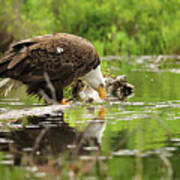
x=59, y=93
x=52, y=95
x=60, y=99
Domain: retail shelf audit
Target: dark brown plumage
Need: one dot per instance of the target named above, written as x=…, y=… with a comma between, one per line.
x=63, y=57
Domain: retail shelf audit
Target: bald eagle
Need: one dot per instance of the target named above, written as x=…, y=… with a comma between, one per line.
x=62, y=57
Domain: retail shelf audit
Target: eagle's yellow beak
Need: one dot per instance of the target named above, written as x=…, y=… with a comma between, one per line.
x=101, y=91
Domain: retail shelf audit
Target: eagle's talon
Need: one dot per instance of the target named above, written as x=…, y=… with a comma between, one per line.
x=64, y=101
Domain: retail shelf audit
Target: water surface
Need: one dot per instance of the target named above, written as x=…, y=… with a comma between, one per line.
x=135, y=139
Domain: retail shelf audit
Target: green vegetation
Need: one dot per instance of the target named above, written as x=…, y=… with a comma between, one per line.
x=115, y=27
x=8, y=172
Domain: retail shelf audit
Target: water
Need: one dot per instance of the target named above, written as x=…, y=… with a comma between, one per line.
x=135, y=139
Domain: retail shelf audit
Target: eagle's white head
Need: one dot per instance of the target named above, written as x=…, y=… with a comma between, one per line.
x=95, y=79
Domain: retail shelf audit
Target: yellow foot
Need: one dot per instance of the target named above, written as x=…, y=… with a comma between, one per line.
x=65, y=101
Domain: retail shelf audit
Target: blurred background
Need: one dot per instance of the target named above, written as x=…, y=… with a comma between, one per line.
x=115, y=27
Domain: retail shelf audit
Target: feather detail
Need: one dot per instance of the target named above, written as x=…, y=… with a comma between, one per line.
x=64, y=57
x=17, y=59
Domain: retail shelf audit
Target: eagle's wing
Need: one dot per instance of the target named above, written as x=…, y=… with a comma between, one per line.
x=62, y=56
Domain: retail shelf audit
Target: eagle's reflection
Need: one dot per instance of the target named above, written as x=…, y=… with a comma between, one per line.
x=50, y=136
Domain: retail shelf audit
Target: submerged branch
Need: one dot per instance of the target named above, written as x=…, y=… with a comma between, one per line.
x=38, y=140
x=37, y=111
x=166, y=163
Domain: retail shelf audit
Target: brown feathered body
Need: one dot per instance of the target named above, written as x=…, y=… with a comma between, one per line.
x=63, y=57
